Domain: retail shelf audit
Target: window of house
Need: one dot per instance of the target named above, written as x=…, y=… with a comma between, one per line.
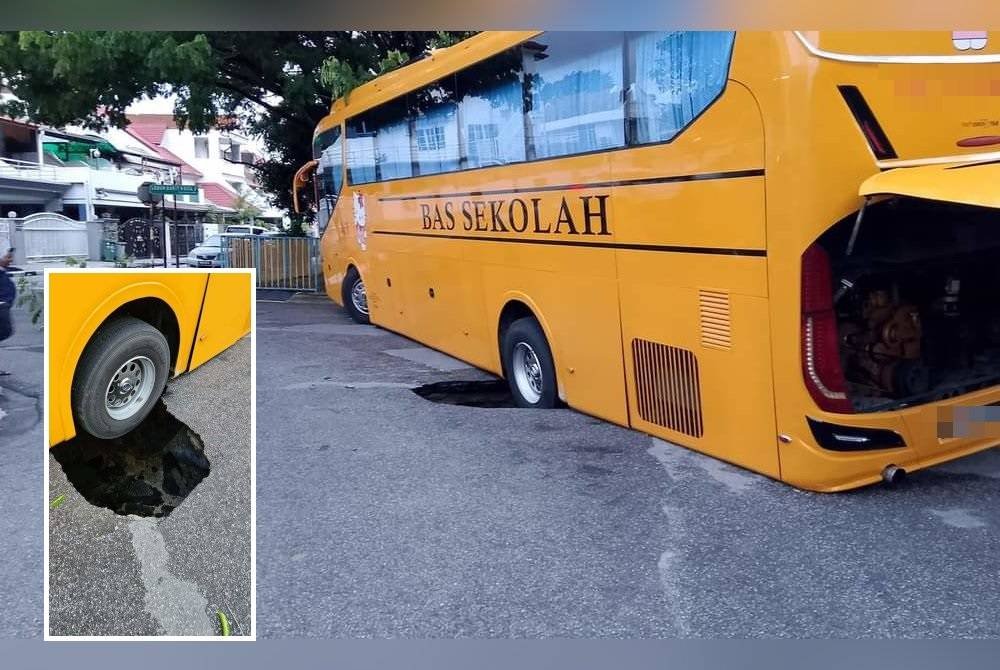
x=201, y=147
x=575, y=87
x=674, y=76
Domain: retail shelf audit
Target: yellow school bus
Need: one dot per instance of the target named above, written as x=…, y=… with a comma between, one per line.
x=779, y=249
x=114, y=339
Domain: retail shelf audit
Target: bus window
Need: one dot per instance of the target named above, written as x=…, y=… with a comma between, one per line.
x=575, y=93
x=673, y=77
x=379, y=146
x=491, y=111
x=329, y=175
x=435, y=128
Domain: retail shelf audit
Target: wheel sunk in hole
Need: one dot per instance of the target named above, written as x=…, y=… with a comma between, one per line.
x=147, y=472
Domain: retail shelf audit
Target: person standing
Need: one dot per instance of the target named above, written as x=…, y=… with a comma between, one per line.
x=8, y=292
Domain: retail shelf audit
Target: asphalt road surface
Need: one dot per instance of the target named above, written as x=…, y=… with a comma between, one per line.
x=21, y=480
x=112, y=574
x=382, y=514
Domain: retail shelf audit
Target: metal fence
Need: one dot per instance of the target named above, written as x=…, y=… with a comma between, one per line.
x=286, y=263
x=51, y=236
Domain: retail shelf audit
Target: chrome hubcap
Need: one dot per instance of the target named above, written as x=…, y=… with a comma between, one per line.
x=359, y=297
x=527, y=372
x=130, y=388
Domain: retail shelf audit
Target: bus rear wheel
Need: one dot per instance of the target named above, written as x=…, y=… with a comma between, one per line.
x=528, y=364
x=354, y=296
x=119, y=378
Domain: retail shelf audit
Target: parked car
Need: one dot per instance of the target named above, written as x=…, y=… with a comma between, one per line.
x=206, y=254
x=238, y=229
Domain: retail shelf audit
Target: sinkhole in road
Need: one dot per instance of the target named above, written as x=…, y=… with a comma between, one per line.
x=148, y=472
x=486, y=393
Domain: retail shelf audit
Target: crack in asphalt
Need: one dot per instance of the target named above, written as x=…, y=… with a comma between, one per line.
x=176, y=604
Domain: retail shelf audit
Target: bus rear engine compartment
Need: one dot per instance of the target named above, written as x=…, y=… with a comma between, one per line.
x=914, y=305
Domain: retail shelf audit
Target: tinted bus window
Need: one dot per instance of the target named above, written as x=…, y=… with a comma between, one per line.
x=379, y=146
x=575, y=93
x=329, y=173
x=491, y=111
x=435, y=128
x=673, y=77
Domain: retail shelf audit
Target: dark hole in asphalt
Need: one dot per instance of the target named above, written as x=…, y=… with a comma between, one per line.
x=488, y=393
x=148, y=472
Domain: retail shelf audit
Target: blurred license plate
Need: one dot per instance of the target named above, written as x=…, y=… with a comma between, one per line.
x=981, y=421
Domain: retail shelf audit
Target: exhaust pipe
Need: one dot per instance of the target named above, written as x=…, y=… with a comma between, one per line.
x=893, y=474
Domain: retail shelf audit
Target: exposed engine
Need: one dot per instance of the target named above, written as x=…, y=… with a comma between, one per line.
x=916, y=294
x=912, y=332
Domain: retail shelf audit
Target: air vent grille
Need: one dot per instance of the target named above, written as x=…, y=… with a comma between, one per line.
x=666, y=380
x=716, y=324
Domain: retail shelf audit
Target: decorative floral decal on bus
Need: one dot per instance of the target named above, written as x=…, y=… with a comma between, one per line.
x=360, y=220
x=969, y=39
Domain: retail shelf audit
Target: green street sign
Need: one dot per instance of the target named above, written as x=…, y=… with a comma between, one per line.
x=173, y=189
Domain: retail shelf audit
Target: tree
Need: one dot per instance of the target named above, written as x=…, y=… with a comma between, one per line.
x=269, y=83
x=246, y=212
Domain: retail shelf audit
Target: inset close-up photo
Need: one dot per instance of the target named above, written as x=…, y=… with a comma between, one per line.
x=149, y=418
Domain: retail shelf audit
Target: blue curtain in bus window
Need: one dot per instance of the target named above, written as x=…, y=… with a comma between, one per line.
x=392, y=142
x=673, y=77
x=434, y=144
x=491, y=111
x=576, y=83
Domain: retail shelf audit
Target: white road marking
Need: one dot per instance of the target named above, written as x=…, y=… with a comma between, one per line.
x=298, y=386
x=175, y=603
x=958, y=517
x=669, y=457
x=429, y=358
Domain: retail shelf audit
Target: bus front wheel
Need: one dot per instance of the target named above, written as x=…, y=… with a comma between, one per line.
x=355, y=297
x=119, y=378
x=528, y=364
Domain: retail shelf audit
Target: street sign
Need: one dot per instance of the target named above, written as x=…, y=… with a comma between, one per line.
x=173, y=189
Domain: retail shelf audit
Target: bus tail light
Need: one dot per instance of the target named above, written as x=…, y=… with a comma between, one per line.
x=820, y=343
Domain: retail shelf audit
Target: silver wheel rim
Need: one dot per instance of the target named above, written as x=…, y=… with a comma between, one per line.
x=359, y=298
x=130, y=388
x=527, y=372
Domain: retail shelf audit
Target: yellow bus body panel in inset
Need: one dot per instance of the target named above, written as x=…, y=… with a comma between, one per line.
x=699, y=270
x=80, y=302
x=225, y=315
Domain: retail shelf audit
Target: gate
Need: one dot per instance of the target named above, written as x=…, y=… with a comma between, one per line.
x=184, y=237
x=6, y=235
x=140, y=237
x=287, y=263
x=51, y=236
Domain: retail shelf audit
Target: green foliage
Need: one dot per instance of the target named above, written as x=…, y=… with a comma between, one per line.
x=74, y=262
x=296, y=225
x=30, y=299
x=245, y=211
x=276, y=85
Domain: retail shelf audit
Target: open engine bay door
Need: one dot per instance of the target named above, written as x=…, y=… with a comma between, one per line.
x=976, y=184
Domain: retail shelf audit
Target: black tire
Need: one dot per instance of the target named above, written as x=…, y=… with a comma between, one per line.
x=358, y=312
x=526, y=331
x=114, y=344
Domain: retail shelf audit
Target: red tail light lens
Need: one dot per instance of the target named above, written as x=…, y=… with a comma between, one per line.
x=821, y=367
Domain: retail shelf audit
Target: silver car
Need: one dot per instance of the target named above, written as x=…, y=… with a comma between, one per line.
x=206, y=254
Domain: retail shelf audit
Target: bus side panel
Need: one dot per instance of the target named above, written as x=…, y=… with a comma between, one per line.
x=695, y=325
x=80, y=302
x=577, y=305
x=225, y=315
